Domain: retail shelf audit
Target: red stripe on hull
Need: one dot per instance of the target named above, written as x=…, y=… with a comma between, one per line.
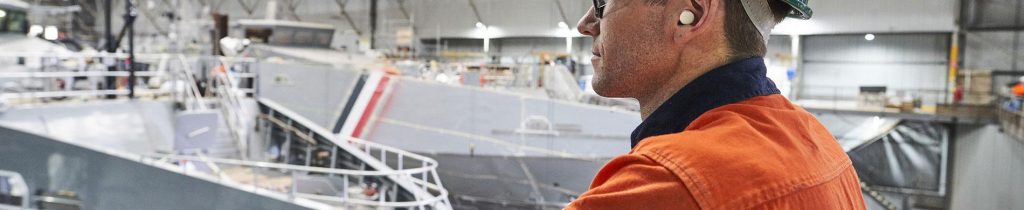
x=377, y=92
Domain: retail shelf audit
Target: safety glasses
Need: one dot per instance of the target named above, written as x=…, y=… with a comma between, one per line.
x=599, y=8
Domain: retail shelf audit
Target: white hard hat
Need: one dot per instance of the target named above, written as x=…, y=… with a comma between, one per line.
x=1021, y=79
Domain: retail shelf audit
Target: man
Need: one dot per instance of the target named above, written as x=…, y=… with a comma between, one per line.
x=1018, y=89
x=715, y=134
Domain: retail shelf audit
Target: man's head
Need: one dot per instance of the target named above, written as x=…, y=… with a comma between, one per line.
x=640, y=45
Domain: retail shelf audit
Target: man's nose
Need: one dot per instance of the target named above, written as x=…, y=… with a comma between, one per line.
x=588, y=24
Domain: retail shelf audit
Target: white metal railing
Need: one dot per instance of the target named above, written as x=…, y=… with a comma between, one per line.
x=176, y=69
x=192, y=93
x=48, y=68
x=235, y=115
x=105, y=55
x=402, y=174
x=421, y=176
x=67, y=91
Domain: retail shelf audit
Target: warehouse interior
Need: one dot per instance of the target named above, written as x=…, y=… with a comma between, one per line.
x=461, y=104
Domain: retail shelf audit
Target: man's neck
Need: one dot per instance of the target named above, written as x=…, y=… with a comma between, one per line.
x=685, y=74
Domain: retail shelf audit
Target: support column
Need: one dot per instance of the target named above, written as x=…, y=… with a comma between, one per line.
x=109, y=38
x=129, y=18
x=373, y=24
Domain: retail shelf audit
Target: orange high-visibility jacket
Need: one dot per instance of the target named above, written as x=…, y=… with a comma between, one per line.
x=748, y=149
x=1018, y=90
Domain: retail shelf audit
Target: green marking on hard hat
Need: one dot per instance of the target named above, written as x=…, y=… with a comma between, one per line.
x=800, y=9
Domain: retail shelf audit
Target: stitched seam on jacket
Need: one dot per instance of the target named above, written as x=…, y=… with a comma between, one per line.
x=790, y=187
x=687, y=178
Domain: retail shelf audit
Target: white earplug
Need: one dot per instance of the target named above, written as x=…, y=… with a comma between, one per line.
x=686, y=18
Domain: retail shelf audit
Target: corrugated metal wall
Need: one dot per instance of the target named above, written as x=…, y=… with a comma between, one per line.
x=834, y=66
x=988, y=170
x=779, y=45
x=993, y=50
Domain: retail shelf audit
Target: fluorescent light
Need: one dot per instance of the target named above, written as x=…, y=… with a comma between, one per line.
x=480, y=25
x=50, y=33
x=3, y=13
x=486, y=32
x=563, y=25
x=869, y=37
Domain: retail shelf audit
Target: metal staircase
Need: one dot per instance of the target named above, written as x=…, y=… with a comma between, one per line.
x=404, y=179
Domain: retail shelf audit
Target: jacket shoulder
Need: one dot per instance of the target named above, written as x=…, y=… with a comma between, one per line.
x=739, y=155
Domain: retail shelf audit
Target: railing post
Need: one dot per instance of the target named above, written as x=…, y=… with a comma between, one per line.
x=384, y=156
x=344, y=185
x=426, y=179
x=294, y=188
x=309, y=155
x=287, y=147
x=401, y=159
x=334, y=157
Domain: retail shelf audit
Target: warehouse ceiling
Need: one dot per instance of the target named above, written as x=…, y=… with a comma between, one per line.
x=522, y=18
x=874, y=16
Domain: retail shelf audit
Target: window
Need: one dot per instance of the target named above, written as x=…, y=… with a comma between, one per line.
x=13, y=190
x=3, y=18
x=12, y=21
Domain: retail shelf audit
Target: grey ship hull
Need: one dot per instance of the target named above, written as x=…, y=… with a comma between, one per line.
x=103, y=181
x=496, y=149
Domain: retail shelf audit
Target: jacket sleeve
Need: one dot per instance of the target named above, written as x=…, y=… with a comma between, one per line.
x=635, y=182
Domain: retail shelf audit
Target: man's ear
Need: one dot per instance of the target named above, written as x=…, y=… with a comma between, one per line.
x=697, y=8
x=690, y=18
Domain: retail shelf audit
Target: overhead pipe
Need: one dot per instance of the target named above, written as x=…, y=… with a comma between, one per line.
x=480, y=24
x=292, y=6
x=249, y=9
x=152, y=21
x=476, y=12
x=401, y=7
x=561, y=11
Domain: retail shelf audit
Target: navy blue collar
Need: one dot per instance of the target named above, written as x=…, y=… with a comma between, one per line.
x=727, y=84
